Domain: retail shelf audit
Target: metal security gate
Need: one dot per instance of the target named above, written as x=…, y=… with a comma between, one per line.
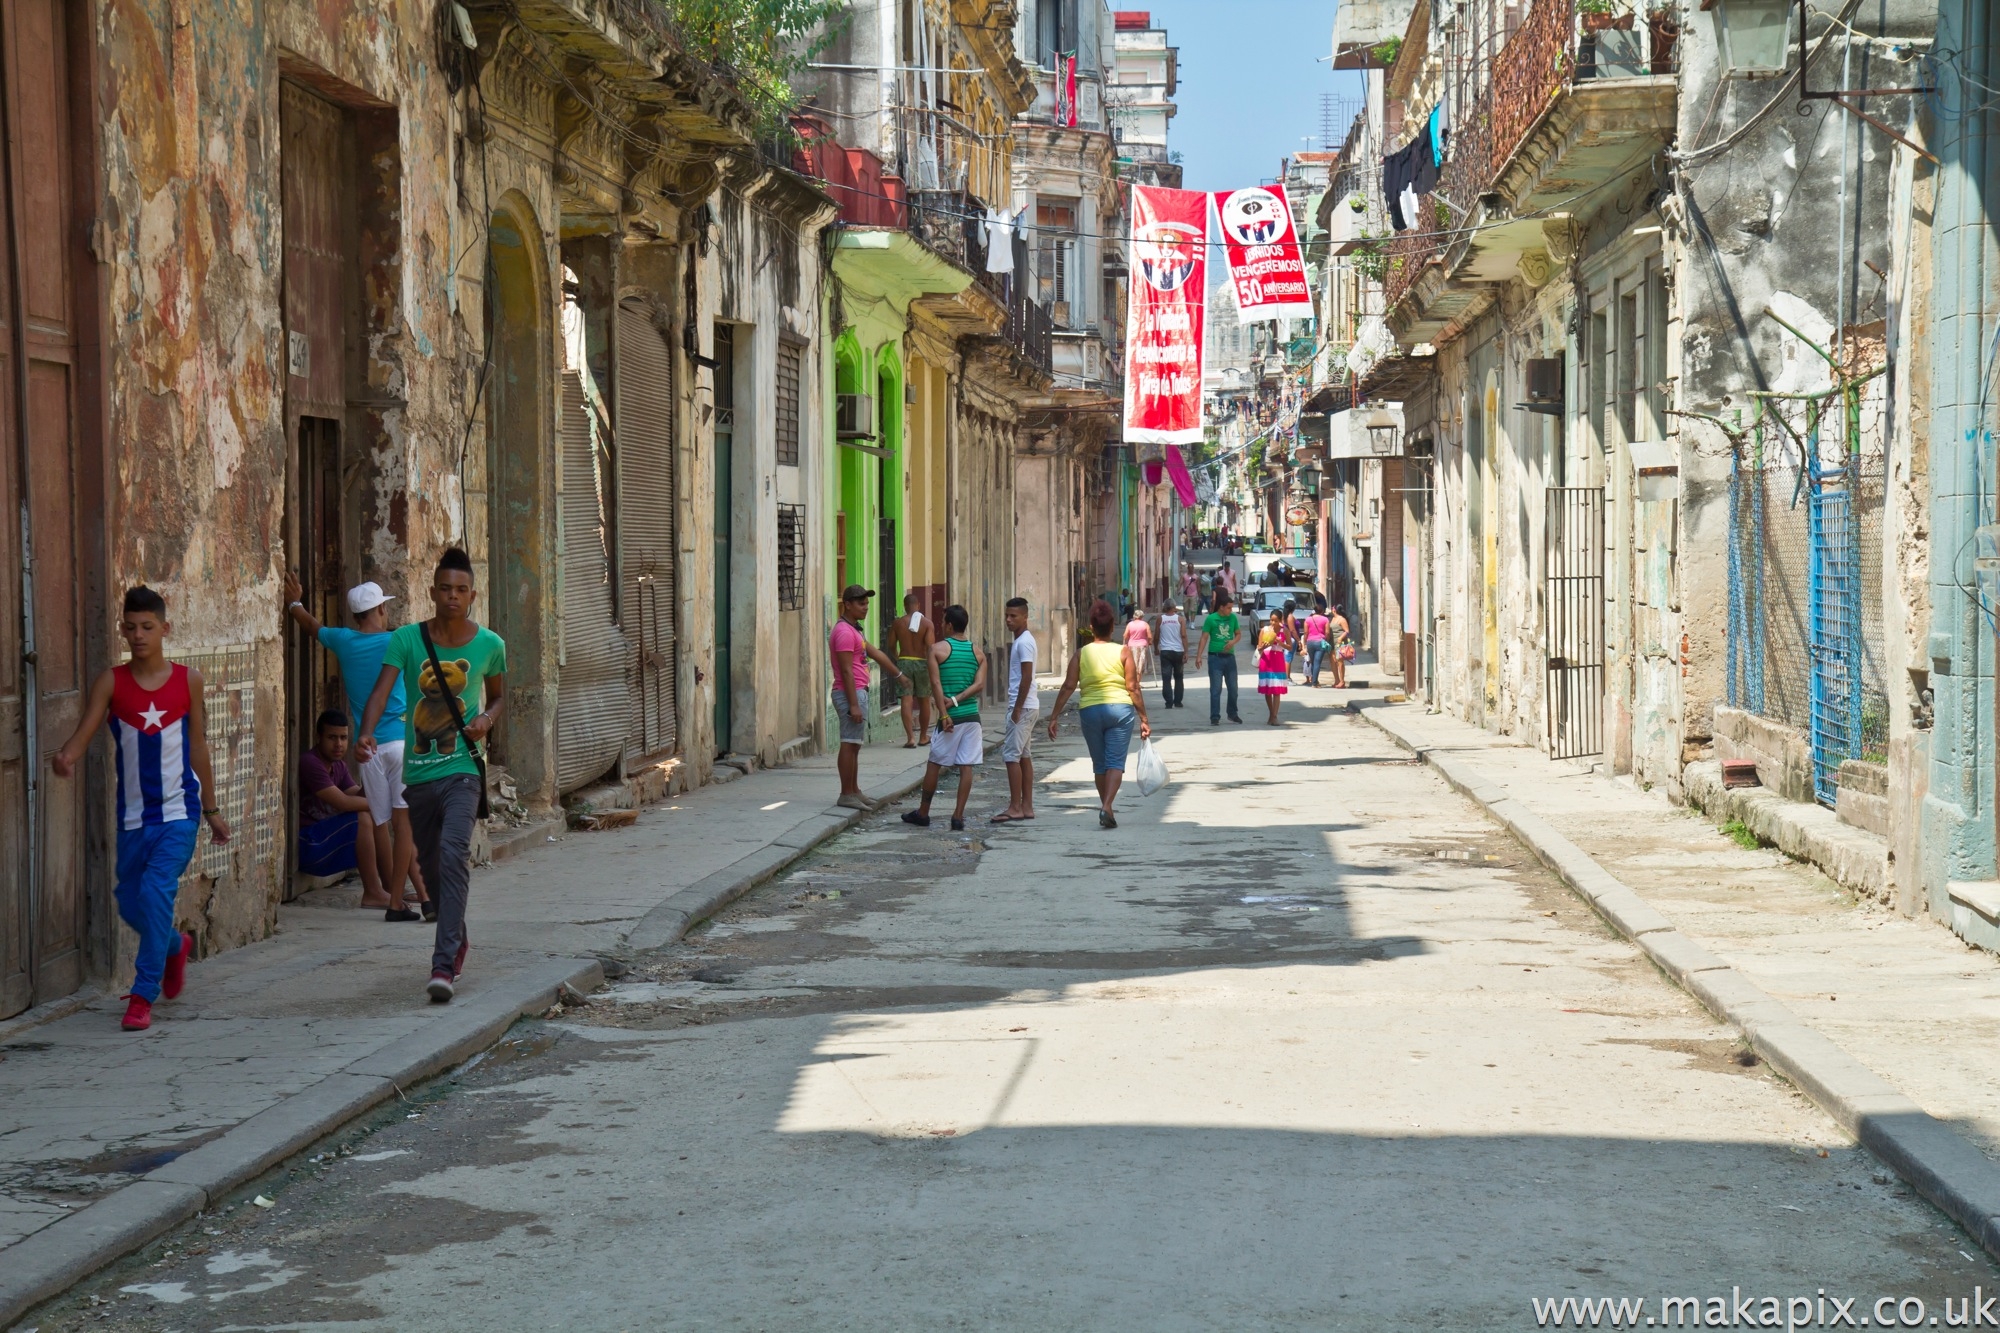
x=1573, y=620
x=645, y=424
x=1835, y=593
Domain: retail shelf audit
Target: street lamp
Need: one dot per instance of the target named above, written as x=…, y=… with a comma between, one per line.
x=1381, y=423
x=1753, y=36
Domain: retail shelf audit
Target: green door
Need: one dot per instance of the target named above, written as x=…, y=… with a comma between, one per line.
x=725, y=504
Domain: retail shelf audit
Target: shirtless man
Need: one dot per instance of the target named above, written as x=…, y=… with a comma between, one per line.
x=911, y=637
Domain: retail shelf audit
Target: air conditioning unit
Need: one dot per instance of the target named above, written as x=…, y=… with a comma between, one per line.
x=854, y=416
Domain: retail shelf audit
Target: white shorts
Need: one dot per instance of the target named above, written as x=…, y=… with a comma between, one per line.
x=382, y=781
x=1020, y=736
x=964, y=744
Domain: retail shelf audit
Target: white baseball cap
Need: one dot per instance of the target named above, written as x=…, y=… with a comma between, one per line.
x=365, y=597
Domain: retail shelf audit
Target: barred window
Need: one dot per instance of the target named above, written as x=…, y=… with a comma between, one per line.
x=788, y=403
x=791, y=556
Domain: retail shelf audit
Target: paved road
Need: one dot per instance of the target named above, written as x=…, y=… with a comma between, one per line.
x=1305, y=1044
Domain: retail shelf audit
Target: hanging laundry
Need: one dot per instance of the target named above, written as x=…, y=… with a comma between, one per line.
x=1000, y=240
x=1410, y=171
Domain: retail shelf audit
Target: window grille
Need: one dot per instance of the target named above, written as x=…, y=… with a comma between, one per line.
x=791, y=556
x=788, y=403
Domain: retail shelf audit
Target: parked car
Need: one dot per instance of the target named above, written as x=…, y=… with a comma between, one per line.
x=1260, y=604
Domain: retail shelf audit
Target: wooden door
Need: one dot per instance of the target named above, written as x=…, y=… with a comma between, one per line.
x=318, y=204
x=43, y=911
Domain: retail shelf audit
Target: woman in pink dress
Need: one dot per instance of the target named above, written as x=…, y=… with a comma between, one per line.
x=1272, y=673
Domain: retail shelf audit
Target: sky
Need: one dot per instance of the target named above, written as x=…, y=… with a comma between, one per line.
x=1251, y=76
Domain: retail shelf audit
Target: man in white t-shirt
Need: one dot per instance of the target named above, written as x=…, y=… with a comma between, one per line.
x=1023, y=708
x=1170, y=632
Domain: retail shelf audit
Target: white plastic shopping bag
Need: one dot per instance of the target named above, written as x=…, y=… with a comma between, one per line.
x=1149, y=771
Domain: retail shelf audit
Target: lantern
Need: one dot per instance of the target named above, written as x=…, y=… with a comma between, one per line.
x=1753, y=36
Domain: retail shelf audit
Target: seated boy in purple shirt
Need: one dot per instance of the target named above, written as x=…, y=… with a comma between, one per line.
x=334, y=826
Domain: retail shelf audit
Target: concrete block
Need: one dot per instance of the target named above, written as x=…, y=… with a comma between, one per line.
x=1630, y=914
x=811, y=832
x=1678, y=956
x=270, y=1136
x=1941, y=1164
x=1863, y=810
x=1982, y=897
x=1733, y=997
x=1830, y=1076
x=59, y=1256
x=1863, y=778
x=1852, y=857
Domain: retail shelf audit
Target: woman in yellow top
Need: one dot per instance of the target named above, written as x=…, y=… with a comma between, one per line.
x=1112, y=704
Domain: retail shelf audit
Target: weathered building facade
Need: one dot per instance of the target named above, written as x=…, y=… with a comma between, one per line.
x=355, y=282
x=934, y=344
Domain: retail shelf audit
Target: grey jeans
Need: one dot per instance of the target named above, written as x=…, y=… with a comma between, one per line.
x=442, y=813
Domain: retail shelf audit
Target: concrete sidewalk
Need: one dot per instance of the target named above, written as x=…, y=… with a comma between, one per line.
x=1888, y=1022
x=109, y=1137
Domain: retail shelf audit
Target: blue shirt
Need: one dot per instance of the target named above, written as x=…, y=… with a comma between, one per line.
x=360, y=656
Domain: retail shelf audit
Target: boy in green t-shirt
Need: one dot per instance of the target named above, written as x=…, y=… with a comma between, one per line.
x=442, y=772
x=1219, y=633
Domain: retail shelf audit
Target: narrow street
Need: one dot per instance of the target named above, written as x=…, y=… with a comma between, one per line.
x=1307, y=1042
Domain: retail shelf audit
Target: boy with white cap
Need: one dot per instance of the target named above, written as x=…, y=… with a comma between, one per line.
x=360, y=652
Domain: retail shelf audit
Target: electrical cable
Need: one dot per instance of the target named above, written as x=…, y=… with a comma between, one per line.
x=1695, y=156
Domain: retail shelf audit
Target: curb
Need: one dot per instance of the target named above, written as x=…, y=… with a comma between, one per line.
x=685, y=910
x=1934, y=1159
x=49, y=1262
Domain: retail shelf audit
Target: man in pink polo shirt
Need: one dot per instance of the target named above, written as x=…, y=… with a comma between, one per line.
x=851, y=650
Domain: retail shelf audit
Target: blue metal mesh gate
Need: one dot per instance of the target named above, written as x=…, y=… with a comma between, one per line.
x=1805, y=613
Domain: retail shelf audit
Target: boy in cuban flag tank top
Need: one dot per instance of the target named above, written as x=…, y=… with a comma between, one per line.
x=159, y=730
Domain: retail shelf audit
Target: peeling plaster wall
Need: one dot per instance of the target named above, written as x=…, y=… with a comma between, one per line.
x=1794, y=219
x=191, y=224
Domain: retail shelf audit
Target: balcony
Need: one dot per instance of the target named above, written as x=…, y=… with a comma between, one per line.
x=1575, y=103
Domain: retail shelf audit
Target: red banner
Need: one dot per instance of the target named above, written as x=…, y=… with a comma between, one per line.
x=1164, y=316
x=1266, y=270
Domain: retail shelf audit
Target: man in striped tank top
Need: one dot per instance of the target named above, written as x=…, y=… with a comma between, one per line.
x=958, y=673
x=159, y=728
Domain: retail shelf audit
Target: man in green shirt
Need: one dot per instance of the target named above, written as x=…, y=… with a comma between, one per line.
x=1219, y=633
x=958, y=673
x=452, y=707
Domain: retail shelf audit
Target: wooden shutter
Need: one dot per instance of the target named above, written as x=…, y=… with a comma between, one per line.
x=645, y=425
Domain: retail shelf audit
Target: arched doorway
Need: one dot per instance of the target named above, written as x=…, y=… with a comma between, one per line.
x=518, y=459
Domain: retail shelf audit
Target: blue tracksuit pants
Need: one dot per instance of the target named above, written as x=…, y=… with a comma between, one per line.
x=150, y=862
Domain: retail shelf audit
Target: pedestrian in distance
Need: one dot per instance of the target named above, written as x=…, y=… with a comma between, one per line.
x=1220, y=630
x=1341, y=650
x=360, y=651
x=957, y=674
x=1170, y=630
x=158, y=716
x=1017, y=750
x=1289, y=624
x=850, y=651
x=1272, y=676
x=910, y=639
x=453, y=671
x=1317, y=644
x=1190, y=586
x=1111, y=705
x=335, y=833
x=1139, y=638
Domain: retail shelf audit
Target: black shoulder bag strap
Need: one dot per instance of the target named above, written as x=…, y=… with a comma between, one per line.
x=457, y=717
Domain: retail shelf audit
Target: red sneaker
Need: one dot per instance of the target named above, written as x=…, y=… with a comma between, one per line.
x=458, y=963
x=138, y=1015
x=440, y=989
x=177, y=966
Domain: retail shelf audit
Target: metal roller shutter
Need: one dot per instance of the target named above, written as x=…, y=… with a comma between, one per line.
x=591, y=709
x=645, y=389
